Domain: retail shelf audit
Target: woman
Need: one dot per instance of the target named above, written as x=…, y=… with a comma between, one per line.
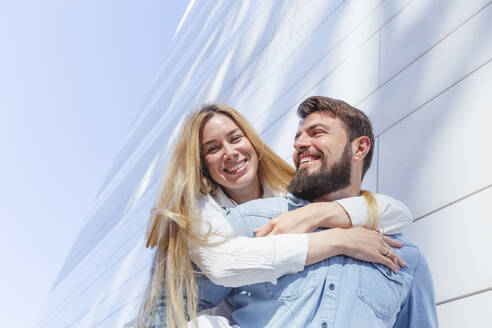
x=219, y=161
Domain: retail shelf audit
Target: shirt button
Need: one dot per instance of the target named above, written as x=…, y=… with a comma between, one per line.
x=388, y=272
x=324, y=324
x=332, y=286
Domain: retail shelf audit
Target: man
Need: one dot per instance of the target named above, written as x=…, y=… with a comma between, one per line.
x=333, y=150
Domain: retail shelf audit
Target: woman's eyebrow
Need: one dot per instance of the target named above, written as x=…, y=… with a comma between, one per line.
x=204, y=143
x=233, y=131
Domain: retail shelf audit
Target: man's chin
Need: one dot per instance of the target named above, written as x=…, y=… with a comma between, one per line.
x=307, y=170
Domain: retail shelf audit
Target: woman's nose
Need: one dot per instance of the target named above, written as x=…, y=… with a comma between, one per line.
x=230, y=152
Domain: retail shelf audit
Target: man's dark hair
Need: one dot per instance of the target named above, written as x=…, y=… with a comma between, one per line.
x=357, y=124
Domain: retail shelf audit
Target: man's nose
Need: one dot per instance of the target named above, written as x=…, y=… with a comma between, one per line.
x=301, y=143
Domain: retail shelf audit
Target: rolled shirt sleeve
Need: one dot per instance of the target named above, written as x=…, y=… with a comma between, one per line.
x=236, y=261
x=394, y=216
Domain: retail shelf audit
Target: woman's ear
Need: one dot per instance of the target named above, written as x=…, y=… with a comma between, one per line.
x=360, y=148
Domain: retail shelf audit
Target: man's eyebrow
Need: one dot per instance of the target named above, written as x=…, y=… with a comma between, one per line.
x=312, y=127
x=318, y=125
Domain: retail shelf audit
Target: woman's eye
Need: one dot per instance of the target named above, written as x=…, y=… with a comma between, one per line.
x=212, y=150
x=235, y=139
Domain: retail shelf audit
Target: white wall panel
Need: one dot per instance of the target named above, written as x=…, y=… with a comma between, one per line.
x=370, y=181
x=106, y=289
x=456, y=243
x=356, y=77
x=318, y=27
x=114, y=302
x=421, y=25
x=452, y=59
x=370, y=25
x=98, y=270
x=351, y=81
x=420, y=69
x=438, y=154
x=473, y=311
x=280, y=135
x=305, y=69
x=286, y=89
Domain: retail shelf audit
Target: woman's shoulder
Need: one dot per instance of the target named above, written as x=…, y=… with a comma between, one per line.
x=212, y=216
x=207, y=203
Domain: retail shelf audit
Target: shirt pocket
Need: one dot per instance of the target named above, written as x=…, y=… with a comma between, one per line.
x=380, y=289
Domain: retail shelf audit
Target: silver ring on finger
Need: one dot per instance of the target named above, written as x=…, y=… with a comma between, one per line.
x=389, y=252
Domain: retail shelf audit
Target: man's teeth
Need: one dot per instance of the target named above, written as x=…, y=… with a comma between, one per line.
x=306, y=159
x=236, y=167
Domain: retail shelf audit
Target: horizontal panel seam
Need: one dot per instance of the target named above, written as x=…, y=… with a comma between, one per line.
x=453, y=202
x=436, y=96
x=481, y=291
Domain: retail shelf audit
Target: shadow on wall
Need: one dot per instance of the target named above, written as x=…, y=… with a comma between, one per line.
x=199, y=83
x=294, y=88
x=442, y=77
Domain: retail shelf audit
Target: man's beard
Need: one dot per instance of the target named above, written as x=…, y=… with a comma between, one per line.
x=325, y=180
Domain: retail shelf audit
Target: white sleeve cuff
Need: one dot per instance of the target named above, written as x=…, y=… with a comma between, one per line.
x=394, y=216
x=242, y=261
x=290, y=252
x=356, y=207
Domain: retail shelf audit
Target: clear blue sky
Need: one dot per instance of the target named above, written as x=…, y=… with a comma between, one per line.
x=73, y=75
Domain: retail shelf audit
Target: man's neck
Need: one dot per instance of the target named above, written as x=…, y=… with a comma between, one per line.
x=349, y=191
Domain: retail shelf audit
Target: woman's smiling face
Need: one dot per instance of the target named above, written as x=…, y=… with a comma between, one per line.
x=229, y=156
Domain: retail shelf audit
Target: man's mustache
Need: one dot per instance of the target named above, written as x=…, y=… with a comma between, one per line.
x=308, y=153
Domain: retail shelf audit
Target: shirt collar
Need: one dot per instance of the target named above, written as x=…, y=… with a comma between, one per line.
x=295, y=201
x=225, y=202
x=221, y=198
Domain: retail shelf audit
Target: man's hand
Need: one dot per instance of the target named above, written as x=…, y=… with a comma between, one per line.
x=306, y=219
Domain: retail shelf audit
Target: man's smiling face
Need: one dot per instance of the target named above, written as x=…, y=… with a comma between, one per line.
x=320, y=142
x=323, y=156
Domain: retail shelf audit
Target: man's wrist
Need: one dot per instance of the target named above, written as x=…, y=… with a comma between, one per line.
x=316, y=216
x=321, y=214
x=331, y=215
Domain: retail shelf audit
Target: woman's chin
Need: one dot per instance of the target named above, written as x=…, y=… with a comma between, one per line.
x=243, y=182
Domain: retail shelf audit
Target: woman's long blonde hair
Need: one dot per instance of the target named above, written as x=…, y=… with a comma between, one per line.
x=372, y=210
x=171, y=228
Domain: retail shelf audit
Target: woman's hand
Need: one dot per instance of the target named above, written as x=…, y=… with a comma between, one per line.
x=306, y=219
x=370, y=246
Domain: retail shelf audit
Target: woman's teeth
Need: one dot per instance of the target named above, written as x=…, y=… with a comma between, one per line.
x=236, y=167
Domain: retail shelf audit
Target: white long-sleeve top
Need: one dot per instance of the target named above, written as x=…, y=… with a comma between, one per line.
x=238, y=261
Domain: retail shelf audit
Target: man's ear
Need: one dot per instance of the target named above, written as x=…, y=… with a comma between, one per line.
x=360, y=148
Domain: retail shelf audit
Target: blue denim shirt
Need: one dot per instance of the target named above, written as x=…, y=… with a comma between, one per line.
x=337, y=292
